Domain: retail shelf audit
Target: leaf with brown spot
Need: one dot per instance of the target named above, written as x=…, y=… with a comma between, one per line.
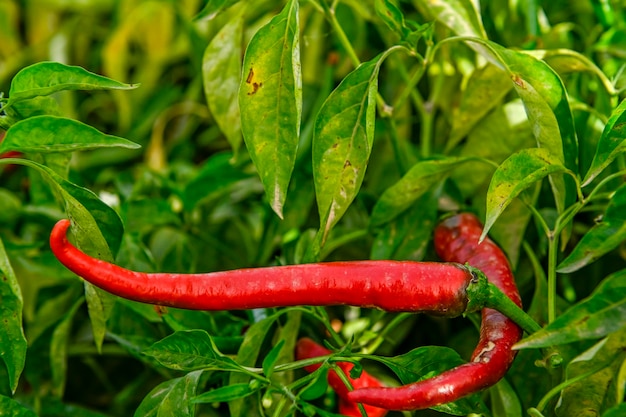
x=270, y=101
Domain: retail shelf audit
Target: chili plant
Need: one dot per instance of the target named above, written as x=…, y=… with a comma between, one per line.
x=193, y=137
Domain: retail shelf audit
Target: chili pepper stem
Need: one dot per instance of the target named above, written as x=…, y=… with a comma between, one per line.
x=498, y=301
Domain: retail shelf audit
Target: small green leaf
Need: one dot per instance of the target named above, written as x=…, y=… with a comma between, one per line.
x=189, y=351
x=601, y=238
x=316, y=388
x=213, y=8
x=611, y=143
x=421, y=178
x=270, y=360
x=12, y=341
x=342, y=142
x=514, y=175
x=270, y=101
x=171, y=398
x=58, y=134
x=45, y=78
x=226, y=393
x=221, y=72
x=603, y=312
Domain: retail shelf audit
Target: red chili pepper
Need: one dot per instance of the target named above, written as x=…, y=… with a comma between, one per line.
x=456, y=240
x=426, y=287
x=307, y=349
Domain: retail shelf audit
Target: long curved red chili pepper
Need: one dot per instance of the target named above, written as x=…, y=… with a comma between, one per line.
x=307, y=349
x=426, y=287
x=456, y=240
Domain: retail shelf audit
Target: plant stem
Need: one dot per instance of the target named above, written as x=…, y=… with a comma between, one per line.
x=553, y=239
x=498, y=301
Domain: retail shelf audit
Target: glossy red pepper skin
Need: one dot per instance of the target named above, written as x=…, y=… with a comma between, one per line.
x=307, y=349
x=434, y=288
x=456, y=240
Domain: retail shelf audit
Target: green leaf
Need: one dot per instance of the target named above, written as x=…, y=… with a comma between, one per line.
x=57, y=134
x=221, y=72
x=11, y=408
x=548, y=110
x=171, y=398
x=270, y=101
x=270, y=360
x=190, y=350
x=213, y=8
x=611, y=143
x=603, y=312
x=600, y=364
x=316, y=388
x=12, y=341
x=601, y=238
x=342, y=142
x=420, y=179
x=45, y=78
x=514, y=175
x=97, y=229
x=226, y=393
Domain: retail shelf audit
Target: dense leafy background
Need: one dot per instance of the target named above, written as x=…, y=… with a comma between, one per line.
x=276, y=132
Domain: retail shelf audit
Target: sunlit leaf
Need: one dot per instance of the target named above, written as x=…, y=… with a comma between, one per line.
x=601, y=238
x=221, y=72
x=45, y=78
x=421, y=178
x=58, y=134
x=460, y=16
x=342, y=142
x=603, y=312
x=270, y=101
x=612, y=143
x=12, y=333
x=514, y=175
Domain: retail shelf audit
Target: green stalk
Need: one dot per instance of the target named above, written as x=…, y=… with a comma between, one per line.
x=497, y=300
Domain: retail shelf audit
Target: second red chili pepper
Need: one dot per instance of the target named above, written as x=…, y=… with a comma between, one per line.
x=457, y=240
